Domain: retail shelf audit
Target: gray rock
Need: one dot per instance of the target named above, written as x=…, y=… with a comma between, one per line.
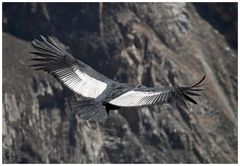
x=157, y=44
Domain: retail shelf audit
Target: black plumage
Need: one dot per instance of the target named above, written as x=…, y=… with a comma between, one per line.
x=100, y=93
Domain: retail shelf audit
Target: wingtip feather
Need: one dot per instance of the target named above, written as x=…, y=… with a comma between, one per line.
x=198, y=83
x=189, y=98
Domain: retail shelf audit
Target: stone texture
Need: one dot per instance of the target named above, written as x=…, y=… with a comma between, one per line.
x=157, y=44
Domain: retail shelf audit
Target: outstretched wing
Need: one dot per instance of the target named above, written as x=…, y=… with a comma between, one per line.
x=53, y=57
x=149, y=96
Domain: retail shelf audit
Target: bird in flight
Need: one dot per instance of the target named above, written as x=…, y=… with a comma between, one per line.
x=101, y=94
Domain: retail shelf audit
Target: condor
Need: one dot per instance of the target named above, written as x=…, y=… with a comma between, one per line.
x=100, y=93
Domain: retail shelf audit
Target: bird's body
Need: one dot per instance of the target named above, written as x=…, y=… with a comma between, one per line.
x=101, y=94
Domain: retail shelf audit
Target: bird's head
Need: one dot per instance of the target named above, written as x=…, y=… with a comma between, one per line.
x=140, y=86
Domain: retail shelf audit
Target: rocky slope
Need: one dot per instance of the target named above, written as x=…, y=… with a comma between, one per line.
x=156, y=44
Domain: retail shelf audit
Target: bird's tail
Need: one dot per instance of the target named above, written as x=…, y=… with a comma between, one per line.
x=183, y=94
x=89, y=109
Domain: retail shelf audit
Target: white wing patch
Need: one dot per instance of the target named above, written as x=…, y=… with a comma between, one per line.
x=80, y=82
x=89, y=87
x=135, y=98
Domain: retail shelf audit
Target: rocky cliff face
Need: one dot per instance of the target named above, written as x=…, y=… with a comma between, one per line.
x=156, y=44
